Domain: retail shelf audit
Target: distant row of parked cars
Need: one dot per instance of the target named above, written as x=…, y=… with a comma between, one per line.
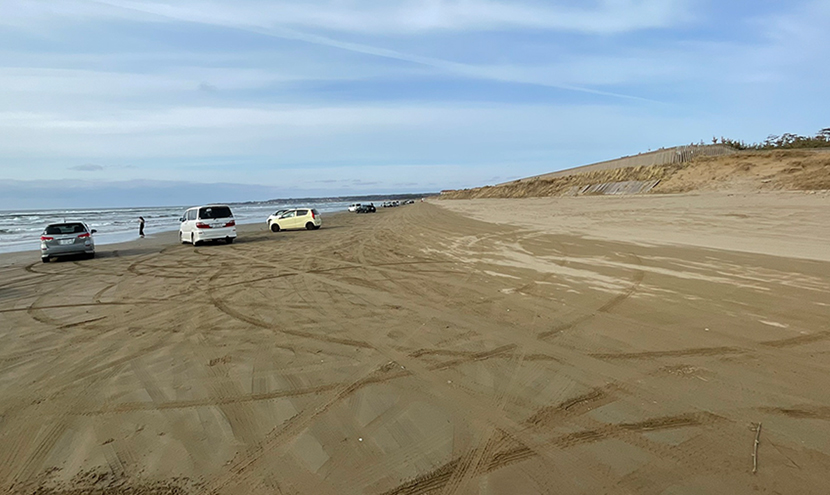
x=370, y=208
x=392, y=204
x=196, y=225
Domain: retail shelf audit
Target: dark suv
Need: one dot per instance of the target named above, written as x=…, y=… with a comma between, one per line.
x=370, y=208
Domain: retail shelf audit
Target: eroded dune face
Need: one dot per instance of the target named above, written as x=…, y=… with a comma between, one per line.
x=502, y=347
x=748, y=171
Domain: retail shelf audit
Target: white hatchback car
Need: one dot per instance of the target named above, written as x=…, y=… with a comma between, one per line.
x=274, y=216
x=295, y=218
x=207, y=223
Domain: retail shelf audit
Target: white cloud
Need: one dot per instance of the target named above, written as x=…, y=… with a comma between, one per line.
x=259, y=144
x=109, y=83
x=325, y=119
x=303, y=22
x=796, y=39
x=380, y=17
x=88, y=167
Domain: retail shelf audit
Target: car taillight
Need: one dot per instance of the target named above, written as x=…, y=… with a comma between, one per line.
x=312, y=214
x=46, y=238
x=83, y=235
x=200, y=225
x=231, y=223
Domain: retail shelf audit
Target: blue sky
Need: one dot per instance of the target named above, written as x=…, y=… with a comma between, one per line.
x=333, y=97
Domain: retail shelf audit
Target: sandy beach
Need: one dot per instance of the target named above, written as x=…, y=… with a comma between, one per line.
x=590, y=345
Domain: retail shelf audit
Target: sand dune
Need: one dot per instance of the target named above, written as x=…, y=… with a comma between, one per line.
x=571, y=345
x=746, y=171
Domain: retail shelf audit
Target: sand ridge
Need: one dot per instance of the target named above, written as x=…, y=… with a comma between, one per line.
x=442, y=347
x=740, y=172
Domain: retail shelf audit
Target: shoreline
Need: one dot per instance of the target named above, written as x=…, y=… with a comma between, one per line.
x=151, y=243
x=19, y=230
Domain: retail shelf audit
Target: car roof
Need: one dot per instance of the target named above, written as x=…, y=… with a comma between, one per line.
x=66, y=223
x=207, y=206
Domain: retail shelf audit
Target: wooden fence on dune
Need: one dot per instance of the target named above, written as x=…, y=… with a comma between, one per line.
x=678, y=154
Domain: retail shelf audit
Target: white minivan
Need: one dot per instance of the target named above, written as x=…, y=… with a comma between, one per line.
x=207, y=223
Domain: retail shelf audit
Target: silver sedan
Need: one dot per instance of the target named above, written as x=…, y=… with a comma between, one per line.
x=66, y=239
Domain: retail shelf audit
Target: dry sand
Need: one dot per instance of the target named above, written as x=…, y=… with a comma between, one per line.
x=583, y=345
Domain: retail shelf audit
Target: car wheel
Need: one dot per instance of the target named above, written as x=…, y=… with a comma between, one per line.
x=45, y=260
x=90, y=256
x=309, y=226
x=275, y=227
x=229, y=240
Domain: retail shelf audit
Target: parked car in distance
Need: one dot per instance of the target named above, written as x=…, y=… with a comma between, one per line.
x=370, y=208
x=296, y=218
x=207, y=223
x=354, y=206
x=67, y=239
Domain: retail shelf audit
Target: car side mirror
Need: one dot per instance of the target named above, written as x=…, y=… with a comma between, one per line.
x=181, y=219
x=93, y=231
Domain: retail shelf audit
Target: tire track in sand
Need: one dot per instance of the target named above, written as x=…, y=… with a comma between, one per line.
x=440, y=477
x=636, y=281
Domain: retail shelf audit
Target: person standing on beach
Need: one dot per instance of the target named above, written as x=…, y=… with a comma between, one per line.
x=141, y=226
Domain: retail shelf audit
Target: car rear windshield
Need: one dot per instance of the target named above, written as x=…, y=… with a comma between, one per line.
x=314, y=212
x=65, y=228
x=208, y=212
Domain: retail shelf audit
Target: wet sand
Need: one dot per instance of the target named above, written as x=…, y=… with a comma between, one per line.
x=557, y=345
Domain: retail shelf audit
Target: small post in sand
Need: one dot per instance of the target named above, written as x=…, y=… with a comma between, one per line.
x=755, y=449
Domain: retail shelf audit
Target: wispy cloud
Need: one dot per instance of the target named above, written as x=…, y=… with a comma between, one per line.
x=277, y=21
x=207, y=87
x=287, y=21
x=389, y=17
x=87, y=167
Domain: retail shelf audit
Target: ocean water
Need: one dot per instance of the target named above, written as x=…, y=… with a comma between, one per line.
x=20, y=230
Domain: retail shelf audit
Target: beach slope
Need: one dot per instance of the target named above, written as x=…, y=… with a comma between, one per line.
x=553, y=345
